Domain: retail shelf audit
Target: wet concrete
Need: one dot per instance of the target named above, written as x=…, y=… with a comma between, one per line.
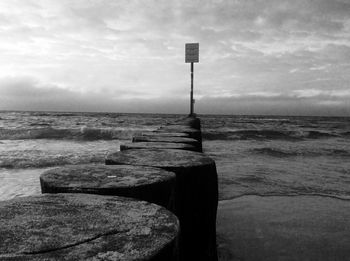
x=150, y=184
x=85, y=227
x=156, y=138
x=196, y=195
x=166, y=134
x=193, y=133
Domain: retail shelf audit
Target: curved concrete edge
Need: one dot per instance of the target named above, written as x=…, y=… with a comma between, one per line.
x=166, y=134
x=193, y=133
x=198, y=236
x=195, y=143
x=149, y=184
x=86, y=227
x=196, y=195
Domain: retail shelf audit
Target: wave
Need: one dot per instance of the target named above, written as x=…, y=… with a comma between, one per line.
x=83, y=133
x=215, y=135
x=58, y=114
x=319, y=134
x=40, y=124
x=287, y=194
x=48, y=161
x=15, y=154
x=274, y=152
x=266, y=134
x=250, y=134
x=346, y=134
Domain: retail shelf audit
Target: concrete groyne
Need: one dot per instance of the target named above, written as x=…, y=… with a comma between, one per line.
x=144, y=183
x=161, y=188
x=195, y=143
x=178, y=128
x=166, y=134
x=85, y=227
x=196, y=195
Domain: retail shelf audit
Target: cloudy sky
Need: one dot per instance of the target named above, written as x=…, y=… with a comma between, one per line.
x=256, y=56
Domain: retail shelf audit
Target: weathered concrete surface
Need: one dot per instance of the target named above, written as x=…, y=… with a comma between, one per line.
x=166, y=134
x=85, y=227
x=193, y=133
x=196, y=195
x=193, y=142
x=157, y=145
x=150, y=184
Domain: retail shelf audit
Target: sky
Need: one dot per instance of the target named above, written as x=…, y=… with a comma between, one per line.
x=274, y=57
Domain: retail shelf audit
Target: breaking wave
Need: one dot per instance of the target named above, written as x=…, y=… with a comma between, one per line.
x=83, y=133
x=42, y=153
x=274, y=152
x=48, y=161
x=268, y=135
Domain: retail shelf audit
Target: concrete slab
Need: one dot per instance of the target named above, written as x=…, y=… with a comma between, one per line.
x=85, y=227
x=150, y=184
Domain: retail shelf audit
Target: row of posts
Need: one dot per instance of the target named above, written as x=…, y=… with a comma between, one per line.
x=155, y=199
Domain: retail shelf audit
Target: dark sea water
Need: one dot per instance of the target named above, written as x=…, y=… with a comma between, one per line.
x=284, y=185
x=264, y=155
x=255, y=155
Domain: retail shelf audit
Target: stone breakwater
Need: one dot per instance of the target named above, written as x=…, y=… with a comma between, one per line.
x=155, y=199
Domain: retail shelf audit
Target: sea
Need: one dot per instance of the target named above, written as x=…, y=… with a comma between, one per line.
x=254, y=155
x=284, y=182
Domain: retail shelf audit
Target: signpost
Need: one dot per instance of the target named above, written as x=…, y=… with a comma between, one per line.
x=192, y=56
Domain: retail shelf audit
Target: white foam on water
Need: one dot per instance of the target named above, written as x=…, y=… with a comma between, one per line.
x=23, y=161
x=19, y=182
x=46, y=153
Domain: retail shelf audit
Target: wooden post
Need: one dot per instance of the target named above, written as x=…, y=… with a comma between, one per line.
x=191, y=98
x=192, y=56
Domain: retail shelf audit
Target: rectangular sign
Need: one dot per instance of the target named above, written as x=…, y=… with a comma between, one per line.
x=192, y=53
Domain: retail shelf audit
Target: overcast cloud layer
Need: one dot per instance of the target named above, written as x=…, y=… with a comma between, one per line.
x=256, y=57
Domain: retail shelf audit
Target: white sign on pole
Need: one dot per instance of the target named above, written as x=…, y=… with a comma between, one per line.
x=192, y=53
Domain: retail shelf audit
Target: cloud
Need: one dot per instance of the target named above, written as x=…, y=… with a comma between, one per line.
x=318, y=105
x=131, y=49
x=29, y=93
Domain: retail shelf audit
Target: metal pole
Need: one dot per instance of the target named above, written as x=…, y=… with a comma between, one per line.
x=191, y=98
